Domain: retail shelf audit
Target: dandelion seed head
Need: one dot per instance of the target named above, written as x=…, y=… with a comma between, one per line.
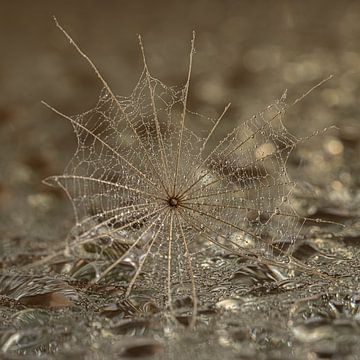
x=147, y=188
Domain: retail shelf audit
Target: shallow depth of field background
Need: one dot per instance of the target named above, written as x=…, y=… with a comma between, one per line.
x=247, y=53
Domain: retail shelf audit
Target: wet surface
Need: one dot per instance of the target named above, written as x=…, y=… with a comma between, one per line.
x=247, y=53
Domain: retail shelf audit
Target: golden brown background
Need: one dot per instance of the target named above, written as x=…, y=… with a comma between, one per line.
x=248, y=52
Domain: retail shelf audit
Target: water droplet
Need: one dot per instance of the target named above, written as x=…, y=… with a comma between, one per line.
x=229, y=304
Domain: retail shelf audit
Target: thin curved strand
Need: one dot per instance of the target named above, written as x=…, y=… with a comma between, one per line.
x=186, y=91
x=169, y=260
x=118, y=261
x=100, y=141
x=143, y=259
x=287, y=147
x=105, y=182
x=183, y=191
x=107, y=87
x=251, y=256
x=107, y=212
x=156, y=120
x=267, y=123
x=221, y=143
x=237, y=190
x=276, y=212
x=246, y=253
x=254, y=162
x=192, y=277
x=108, y=233
x=223, y=222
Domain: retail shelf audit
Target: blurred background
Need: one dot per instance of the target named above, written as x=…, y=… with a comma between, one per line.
x=247, y=52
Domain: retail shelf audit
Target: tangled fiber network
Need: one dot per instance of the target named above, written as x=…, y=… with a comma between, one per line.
x=150, y=193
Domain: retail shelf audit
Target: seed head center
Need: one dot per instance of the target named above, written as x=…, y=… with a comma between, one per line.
x=173, y=201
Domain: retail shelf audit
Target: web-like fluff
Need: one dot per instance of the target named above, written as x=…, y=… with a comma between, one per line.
x=149, y=192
